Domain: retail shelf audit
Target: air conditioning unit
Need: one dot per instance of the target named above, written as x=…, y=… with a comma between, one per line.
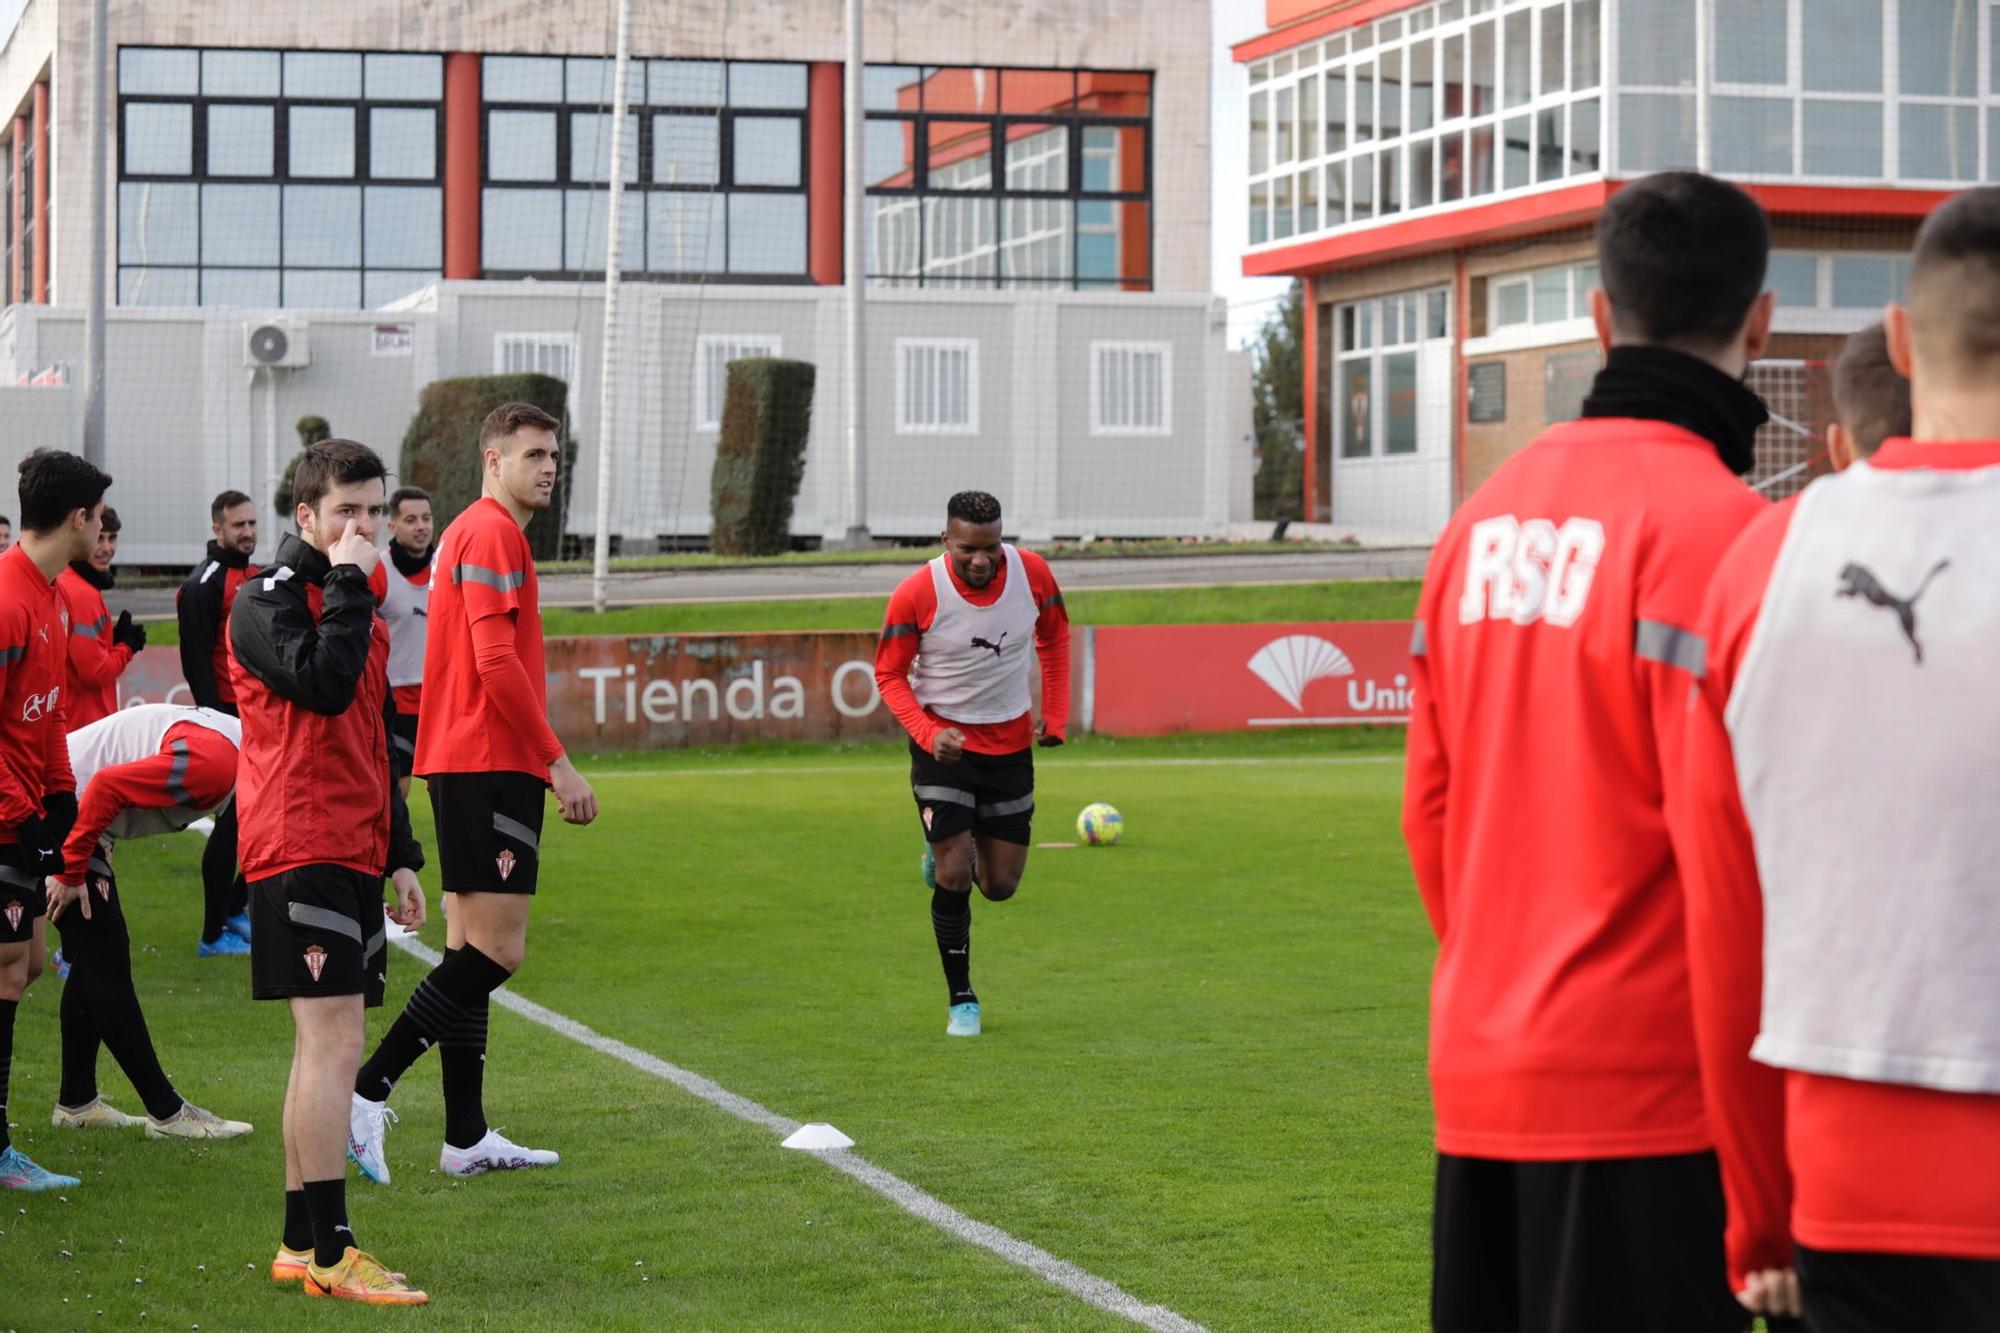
x=276, y=342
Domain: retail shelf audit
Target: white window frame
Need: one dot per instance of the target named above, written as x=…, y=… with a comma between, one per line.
x=1100, y=351
x=565, y=343
x=905, y=349
x=711, y=390
x=1823, y=316
x=1521, y=335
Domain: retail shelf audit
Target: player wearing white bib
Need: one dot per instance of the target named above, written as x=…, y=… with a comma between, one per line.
x=953, y=665
x=406, y=603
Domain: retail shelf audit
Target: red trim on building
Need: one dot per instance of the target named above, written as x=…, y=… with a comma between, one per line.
x=461, y=165
x=826, y=229
x=41, y=266
x=1283, y=39
x=1309, y=355
x=20, y=134
x=1846, y=201
x=1486, y=222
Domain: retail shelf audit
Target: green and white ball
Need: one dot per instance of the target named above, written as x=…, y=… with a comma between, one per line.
x=1100, y=825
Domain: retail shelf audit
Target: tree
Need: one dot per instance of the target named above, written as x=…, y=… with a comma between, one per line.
x=1279, y=393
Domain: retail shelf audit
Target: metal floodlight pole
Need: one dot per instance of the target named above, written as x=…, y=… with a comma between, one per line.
x=93, y=318
x=857, y=285
x=600, y=579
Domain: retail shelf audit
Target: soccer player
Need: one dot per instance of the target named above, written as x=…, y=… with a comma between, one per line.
x=1577, y=1184
x=62, y=497
x=953, y=667
x=203, y=605
x=488, y=755
x=406, y=608
x=321, y=820
x=154, y=768
x=1871, y=399
x=6, y=533
x=99, y=651
x=1834, y=816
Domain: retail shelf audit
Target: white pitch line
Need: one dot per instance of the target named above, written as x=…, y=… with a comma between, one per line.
x=1086, y=1286
x=822, y=770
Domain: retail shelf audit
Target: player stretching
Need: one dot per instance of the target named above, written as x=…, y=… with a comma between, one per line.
x=321, y=820
x=405, y=606
x=61, y=504
x=99, y=651
x=155, y=768
x=487, y=752
x=203, y=605
x=1576, y=1180
x=953, y=667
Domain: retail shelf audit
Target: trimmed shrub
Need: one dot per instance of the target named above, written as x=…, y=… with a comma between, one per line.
x=761, y=457
x=311, y=431
x=441, y=447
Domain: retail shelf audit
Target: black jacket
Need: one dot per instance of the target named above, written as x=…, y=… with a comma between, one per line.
x=203, y=604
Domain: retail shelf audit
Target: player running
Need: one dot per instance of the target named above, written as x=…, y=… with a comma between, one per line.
x=1576, y=1180
x=406, y=608
x=155, y=768
x=322, y=819
x=953, y=667
x=62, y=499
x=203, y=605
x=1834, y=816
x=99, y=651
x=488, y=754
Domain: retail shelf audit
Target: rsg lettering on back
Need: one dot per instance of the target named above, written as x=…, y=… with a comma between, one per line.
x=1529, y=570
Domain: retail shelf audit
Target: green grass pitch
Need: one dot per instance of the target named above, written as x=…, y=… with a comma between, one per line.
x=1202, y=1075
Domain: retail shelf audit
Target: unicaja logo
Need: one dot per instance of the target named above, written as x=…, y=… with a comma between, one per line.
x=1290, y=664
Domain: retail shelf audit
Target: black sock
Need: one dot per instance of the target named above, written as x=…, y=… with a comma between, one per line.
x=79, y=1047
x=6, y=1063
x=951, y=921
x=239, y=896
x=106, y=984
x=462, y=1056
x=439, y=1007
x=326, y=1205
x=218, y=874
x=298, y=1221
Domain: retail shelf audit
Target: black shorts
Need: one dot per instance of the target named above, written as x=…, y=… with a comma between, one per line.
x=1886, y=1293
x=988, y=795
x=402, y=745
x=21, y=897
x=318, y=930
x=1633, y=1244
x=489, y=831
x=103, y=934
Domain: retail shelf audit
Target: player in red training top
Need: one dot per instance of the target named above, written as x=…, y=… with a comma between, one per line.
x=99, y=651
x=953, y=667
x=1577, y=1185
x=406, y=595
x=486, y=749
x=1834, y=816
x=62, y=499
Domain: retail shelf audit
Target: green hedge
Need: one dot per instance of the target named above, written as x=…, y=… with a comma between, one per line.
x=761, y=458
x=441, y=447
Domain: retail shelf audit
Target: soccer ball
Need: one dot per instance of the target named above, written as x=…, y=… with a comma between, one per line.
x=1100, y=825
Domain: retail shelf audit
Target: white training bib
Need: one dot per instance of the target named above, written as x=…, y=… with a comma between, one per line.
x=973, y=662
x=136, y=733
x=406, y=610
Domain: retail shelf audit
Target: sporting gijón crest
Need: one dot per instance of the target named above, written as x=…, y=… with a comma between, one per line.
x=315, y=960
x=505, y=861
x=14, y=914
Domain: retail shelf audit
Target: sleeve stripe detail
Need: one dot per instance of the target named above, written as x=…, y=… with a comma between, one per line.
x=898, y=631
x=1419, y=640
x=1670, y=645
x=91, y=630
x=466, y=571
x=9, y=656
x=1053, y=599
x=177, y=776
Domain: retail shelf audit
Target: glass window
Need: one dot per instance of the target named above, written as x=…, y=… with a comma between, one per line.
x=767, y=150
x=320, y=141
x=892, y=238
x=585, y=213
x=1281, y=208
x=686, y=150
x=1551, y=295
x=379, y=286
x=521, y=79
x=1356, y=408
x=1308, y=119
x=1843, y=139
x=1795, y=278
x=323, y=226
x=239, y=225
x=239, y=287
x=1656, y=46
x=1423, y=86
x=1389, y=79
x=1437, y=315
x=1423, y=171
x=1389, y=199
x=1584, y=149
x=1114, y=159
x=240, y=140
x=1587, y=279
x=322, y=74
x=1480, y=162
x=159, y=138
x=1938, y=50
x=1754, y=135
x=1308, y=202
x=1863, y=282
x=404, y=226
x=684, y=82
x=143, y=69
x=1361, y=186
x=961, y=155
x=892, y=88
x=1586, y=41
x=888, y=154
x=1451, y=168
x=1364, y=102
x=1479, y=78
x=1335, y=194
x=1453, y=76
x=1655, y=132
x=402, y=143
x=767, y=233
x=977, y=91
x=1940, y=142
x=157, y=223
x=1551, y=78
x=767, y=85
x=239, y=73
x=590, y=147
x=1843, y=42
x=1518, y=53
x=399, y=78
x=684, y=233
x=521, y=230
x=1549, y=144
x=1336, y=113
x=1260, y=212
x=1282, y=122
x=309, y=290
x=1400, y=370
x=520, y=145
x=1260, y=133
x=1993, y=144
x=1510, y=303
x=158, y=286
x=1517, y=134
x=1752, y=42
x=587, y=79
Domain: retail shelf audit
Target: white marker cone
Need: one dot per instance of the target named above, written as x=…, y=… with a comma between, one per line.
x=818, y=1138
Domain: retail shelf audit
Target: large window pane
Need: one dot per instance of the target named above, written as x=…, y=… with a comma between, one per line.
x=1097, y=242
x=1354, y=408
x=961, y=155
x=1335, y=194
x=1035, y=240
x=239, y=225
x=587, y=79
x=1550, y=295
x=239, y=73
x=1655, y=132
x=159, y=138
x=1551, y=78
x=402, y=143
x=1864, y=282
x=1843, y=46
x=1038, y=159
x=1451, y=77
x=1336, y=113
x=157, y=223
x=1843, y=139
x=1308, y=119
x=892, y=88
x=1993, y=145
x=1480, y=162
x=765, y=85
x=684, y=82
x=1114, y=159
x=895, y=241
x=521, y=79
x=686, y=150
x=323, y=226
x=974, y=90
x=322, y=74
x=1656, y=45
x=1509, y=304
x=305, y=289
x=1423, y=169
x=684, y=233
x=1517, y=138
x=1795, y=278
x=320, y=141
x=1753, y=135
x=1549, y=144
x=240, y=287
x=1584, y=146
x=1400, y=370
x=379, y=287
x=1586, y=41
x=1389, y=197
x=1260, y=212
x=1260, y=133
x=405, y=226
x=767, y=150
x=590, y=147
x=1517, y=52
x=521, y=230
x=240, y=140
x=157, y=286
x=143, y=69
x=1752, y=42
x=767, y=233
x=1389, y=85
x=1938, y=48
x=400, y=78
x=1281, y=208
x=1364, y=102
x=1423, y=86
x=586, y=230
x=521, y=145
x=960, y=241
x=1940, y=143
x=1282, y=140
x=1481, y=73
x=1308, y=188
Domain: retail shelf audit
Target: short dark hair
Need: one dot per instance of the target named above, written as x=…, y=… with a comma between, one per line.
x=54, y=485
x=972, y=507
x=330, y=463
x=225, y=502
x=1954, y=292
x=402, y=493
x=1682, y=257
x=8, y=521
x=504, y=421
x=1869, y=393
x=111, y=523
